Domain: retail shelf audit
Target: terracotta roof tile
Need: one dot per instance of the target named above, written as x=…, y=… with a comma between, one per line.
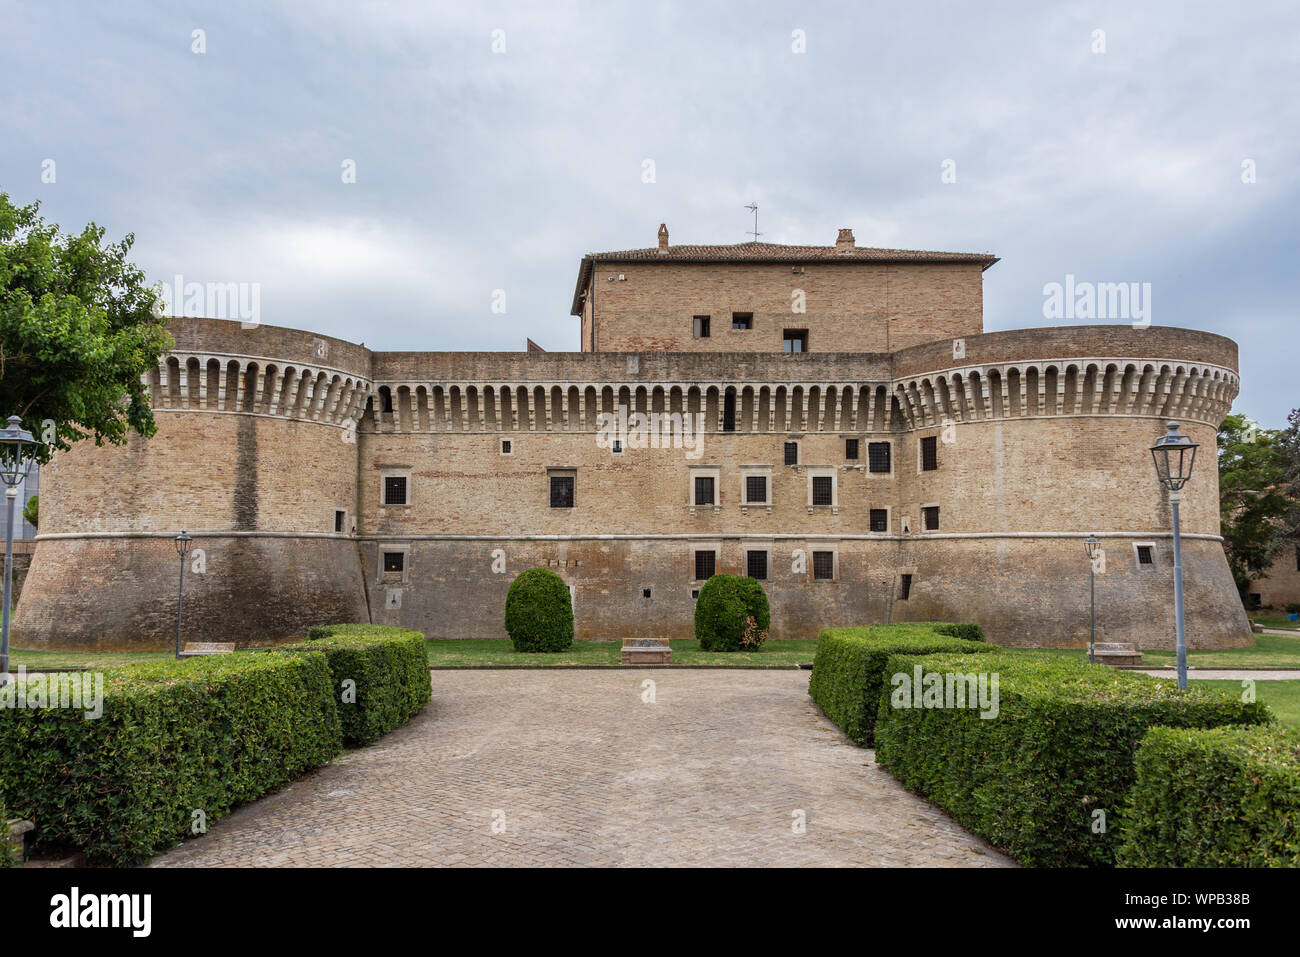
x=767, y=253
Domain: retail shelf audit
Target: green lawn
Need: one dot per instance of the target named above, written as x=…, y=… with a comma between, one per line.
x=451, y=652
x=1282, y=696
x=1275, y=620
x=95, y=661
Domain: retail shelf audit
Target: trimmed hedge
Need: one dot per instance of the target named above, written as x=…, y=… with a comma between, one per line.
x=723, y=609
x=1061, y=747
x=539, y=612
x=1224, y=797
x=848, y=675
x=207, y=734
x=390, y=671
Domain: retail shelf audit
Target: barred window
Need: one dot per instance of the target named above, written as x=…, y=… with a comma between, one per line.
x=930, y=517
x=706, y=563
x=929, y=454
x=851, y=449
x=878, y=456
x=394, y=561
x=823, y=566
x=395, y=490
x=879, y=520
x=792, y=453
x=1145, y=555
x=756, y=565
x=704, y=490
x=905, y=588
x=756, y=489
x=822, y=490
x=561, y=491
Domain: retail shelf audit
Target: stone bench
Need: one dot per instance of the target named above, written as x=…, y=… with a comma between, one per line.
x=646, y=651
x=1117, y=654
x=195, y=649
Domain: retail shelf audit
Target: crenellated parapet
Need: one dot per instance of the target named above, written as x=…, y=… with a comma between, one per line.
x=257, y=385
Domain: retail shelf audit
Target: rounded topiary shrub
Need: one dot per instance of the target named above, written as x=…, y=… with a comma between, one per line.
x=539, y=614
x=731, y=614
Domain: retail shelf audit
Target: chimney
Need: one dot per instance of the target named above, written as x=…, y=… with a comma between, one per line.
x=845, y=242
x=663, y=239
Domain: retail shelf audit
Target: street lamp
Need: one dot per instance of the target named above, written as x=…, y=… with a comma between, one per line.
x=183, y=542
x=1174, y=455
x=1093, y=546
x=15, y=458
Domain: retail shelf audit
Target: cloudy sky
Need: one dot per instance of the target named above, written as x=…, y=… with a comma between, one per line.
x=494, y=144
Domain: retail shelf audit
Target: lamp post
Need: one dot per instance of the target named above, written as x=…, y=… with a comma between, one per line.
x=1174, y=455
x=1093, y=546
x=183, y=541
x=16, y=444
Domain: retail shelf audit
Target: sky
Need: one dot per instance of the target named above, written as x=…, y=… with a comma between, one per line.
x=399, y=173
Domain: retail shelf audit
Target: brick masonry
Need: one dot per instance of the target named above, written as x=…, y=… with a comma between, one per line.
x=266, y=434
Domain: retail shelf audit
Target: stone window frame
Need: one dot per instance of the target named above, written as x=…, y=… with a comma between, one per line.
x=760, y=546
x=712, y=545
x=834, y=549
x=382, y=577
x=859, y=460
x=1137, y=560
x=335, y=521
x=893, y=459
x=704, y=471
x=938, y=518
x=561, y=471
x=746, y=471
x=824, y=471
x=889, y=518
x=395, y=471
x=506, y=446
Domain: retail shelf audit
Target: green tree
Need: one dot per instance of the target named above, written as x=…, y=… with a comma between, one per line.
x=31, y=511
x=77, y=331
x=1253, y=496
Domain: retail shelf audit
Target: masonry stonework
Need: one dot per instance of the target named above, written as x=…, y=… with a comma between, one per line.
x=275, y=446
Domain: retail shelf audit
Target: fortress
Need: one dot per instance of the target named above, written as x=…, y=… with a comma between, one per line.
x=833, y=420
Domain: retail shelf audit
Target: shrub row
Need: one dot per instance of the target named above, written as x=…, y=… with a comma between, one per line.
x=848, y=675
x=1060, y=748
x=177, y=743
x=380, y=676
x=1225, y=797
x=732, y=614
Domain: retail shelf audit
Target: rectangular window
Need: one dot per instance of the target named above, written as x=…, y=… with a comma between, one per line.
x=1146, y=555
x=701, y=327
x=506, y=447
x=742, y=320
x=340, y=517
x=878, y=456
x=929, y=453
x=704, y=491
x=756, y=489
x=394, y=561
x=851, y=450
x=756, y=565
x=562, y=491
x=792, y=453
x=879, y=520
x=823, y=566
x=395, y=490
x=930, y=518
x=822, y=490
x=1256, y=600
x=729, y=412
x=905, y=587
x=1297, y=558
x=795, y=340
x=706, y=564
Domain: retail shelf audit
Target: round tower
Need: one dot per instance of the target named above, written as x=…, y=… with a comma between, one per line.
x=255, y=456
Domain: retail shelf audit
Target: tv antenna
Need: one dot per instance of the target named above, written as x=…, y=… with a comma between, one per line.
x=753, y=208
